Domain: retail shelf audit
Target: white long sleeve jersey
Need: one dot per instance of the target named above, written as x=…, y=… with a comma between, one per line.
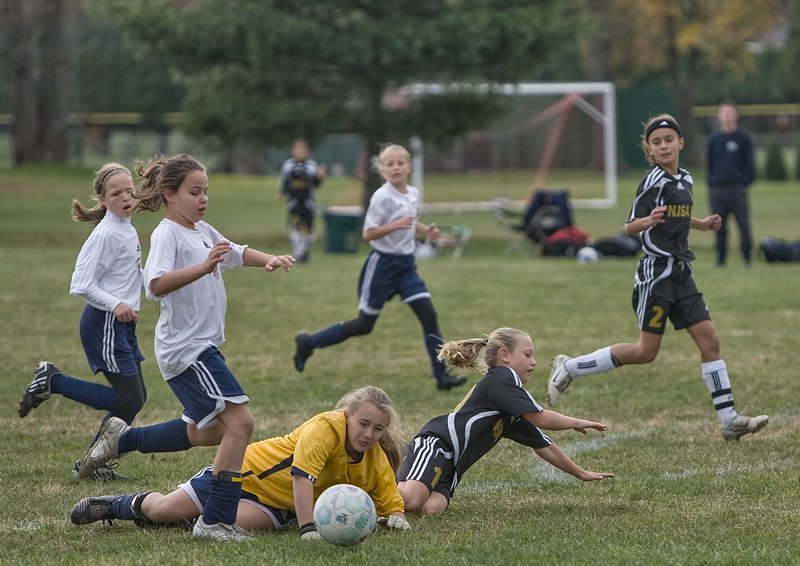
x=108, y=270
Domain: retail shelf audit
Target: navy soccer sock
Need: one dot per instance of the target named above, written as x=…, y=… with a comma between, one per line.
x=94, y=395
x=171, y=436
x=223, y=498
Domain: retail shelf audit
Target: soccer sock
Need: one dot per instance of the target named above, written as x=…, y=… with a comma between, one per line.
x=715, y=374
x=433, y=341
x=223, y=498
x=334, y=334
x=598, y=361
x=297, y=239
x=171, y=436
x=95, y=395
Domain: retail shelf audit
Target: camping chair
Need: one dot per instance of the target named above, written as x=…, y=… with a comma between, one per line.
x=547, y=212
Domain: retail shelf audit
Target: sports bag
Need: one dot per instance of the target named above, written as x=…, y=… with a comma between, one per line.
x=779, y=250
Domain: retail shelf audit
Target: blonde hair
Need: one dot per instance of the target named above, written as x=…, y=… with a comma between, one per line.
x=391, y=441
x=376, y=163
x=94, y=215
x=160, y=174
x=466, y=353
x=645, y=145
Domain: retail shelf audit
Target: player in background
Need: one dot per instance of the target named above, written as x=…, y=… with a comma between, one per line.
x=664, y=287
x=390, y=227
x=300, y=177
x=730, y=163
x=184, y=272
x=497, y=407
x=357, y=443
x=108, y=275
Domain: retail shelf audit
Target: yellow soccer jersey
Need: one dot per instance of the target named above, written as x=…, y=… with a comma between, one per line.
x=316, y=449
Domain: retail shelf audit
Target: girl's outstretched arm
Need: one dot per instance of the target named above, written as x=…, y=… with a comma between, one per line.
x=255, y=258
x=550, y=420
x=554, y=456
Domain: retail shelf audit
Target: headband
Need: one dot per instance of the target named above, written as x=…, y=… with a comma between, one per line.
x=113, y=170
x=663, y=123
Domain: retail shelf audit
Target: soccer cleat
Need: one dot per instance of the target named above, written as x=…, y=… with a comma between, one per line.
x=559, y=380
x=103, y=473
x=302, y=351
x=39, y=389
x=220, y=531
x=742, y=425
x=447, y=381
x=93, y=509
x=105, y=448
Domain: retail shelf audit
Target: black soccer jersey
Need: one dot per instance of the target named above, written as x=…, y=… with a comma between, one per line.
x=491, y=410
x=671, y=238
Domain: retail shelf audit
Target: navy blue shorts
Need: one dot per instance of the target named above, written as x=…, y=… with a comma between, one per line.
x=197, y=488
x=204, y=387
x=110, y=345
x=384, y=276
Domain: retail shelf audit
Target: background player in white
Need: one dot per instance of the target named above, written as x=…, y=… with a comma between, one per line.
x=108, y=275
x=390, y=227
x=298, y=182
x=184, y=272
x=497, y=407
x=665, y=288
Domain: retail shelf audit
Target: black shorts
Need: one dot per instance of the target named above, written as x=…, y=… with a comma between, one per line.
x=427, y=461
x=667, y=290
x=301, y=214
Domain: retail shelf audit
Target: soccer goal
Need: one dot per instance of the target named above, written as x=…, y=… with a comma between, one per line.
x=557, y=135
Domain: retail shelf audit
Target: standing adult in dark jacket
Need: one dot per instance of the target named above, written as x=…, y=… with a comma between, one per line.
x=731, y=171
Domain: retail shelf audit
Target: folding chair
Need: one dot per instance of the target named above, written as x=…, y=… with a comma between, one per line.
x=455, y=236
x=547, y=212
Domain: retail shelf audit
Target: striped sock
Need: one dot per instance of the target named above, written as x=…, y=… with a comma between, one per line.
x=715, y=374
x=599, y=361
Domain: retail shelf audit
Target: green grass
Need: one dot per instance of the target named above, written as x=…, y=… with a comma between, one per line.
x=681, y=496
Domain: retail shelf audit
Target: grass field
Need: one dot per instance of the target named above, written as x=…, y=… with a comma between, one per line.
x=681, y=496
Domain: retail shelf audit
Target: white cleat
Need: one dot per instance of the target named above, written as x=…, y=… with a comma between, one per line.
x=220, y=531
x=742, y=425
x=559, y=380
x=105, y=448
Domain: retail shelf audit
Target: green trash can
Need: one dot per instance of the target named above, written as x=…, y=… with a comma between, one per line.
x=342, y=229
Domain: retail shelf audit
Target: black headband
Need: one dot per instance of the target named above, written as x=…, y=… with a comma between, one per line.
x=662, y=123
x=103, y=180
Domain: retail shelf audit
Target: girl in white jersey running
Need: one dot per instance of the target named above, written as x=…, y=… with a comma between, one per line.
x=390, y=227
x=184, y=271
x=108, y=275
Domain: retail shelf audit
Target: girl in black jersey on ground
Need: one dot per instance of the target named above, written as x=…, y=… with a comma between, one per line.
x=665, y=288
x=497, y=407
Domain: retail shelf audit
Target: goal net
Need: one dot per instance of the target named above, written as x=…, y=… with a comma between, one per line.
x=558, y=135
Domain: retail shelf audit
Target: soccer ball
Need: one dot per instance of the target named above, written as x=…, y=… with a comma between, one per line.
x=344, y=515
x=587, y=254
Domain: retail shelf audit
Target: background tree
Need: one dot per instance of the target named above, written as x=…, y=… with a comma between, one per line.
x=267, y=71
x=681, y=40
x=34, y=50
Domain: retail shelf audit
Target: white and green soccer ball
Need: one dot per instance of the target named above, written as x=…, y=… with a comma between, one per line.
x=344, y=515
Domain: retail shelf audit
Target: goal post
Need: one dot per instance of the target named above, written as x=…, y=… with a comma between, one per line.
x=533, y=141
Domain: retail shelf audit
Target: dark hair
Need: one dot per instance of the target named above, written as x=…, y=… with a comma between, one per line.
x=164, y=173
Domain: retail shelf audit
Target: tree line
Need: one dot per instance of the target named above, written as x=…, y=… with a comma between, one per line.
x=266, y=71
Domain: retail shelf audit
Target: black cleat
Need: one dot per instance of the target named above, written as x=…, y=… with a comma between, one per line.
x=302, y=351
x=446, y=382
x=103, y=473
x=93, y=509
x=38, y=390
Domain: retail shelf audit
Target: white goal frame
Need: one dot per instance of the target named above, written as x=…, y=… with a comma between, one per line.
x=605, y=117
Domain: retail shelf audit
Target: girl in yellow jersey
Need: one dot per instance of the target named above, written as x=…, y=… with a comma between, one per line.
x=357, y=443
